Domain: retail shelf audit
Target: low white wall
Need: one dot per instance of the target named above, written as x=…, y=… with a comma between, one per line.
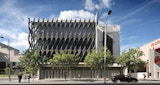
x=140, y=75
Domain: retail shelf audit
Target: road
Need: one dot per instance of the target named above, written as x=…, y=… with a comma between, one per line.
x=72, y=82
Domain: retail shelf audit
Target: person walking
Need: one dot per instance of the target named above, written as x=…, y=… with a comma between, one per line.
x=29, y=76
x=19, y=77
x=144, y=76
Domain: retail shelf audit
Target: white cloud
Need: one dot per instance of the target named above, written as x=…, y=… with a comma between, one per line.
x=132, y=37
x=21, y=42
x=130, y=42
x=131, y=45
x=52, y=16
x=130, y=21
x=90, y=5
x=128, y=38
x=101, y=23
x=106, y=3
x=14, y=20
x=137, y=9
x=6, y=32
x=104, y=15
x=13, y=25
x=76, y=14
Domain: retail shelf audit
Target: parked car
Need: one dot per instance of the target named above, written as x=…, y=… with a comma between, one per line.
x=123, y=78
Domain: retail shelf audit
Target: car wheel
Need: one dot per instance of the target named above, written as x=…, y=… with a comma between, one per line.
x=133, y=81
x=118, y=81
x=114, y=81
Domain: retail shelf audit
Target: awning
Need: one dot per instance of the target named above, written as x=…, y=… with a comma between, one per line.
x=3, y=58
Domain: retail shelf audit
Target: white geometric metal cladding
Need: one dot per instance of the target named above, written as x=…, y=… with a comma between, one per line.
x=50, y=36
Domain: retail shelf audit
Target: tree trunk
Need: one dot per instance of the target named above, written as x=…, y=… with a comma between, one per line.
x=121, y=71
x=91, y=73
x=97, y=74
x=129, y=71
x=65, y=74
x=135, y=72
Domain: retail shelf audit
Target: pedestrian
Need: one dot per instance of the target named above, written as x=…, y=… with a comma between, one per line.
x=144, y=76
x=97, y=76
x=29, y=76
x=19, y=77
x=79, y=76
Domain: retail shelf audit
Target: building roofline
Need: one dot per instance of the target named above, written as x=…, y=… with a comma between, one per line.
x=5, y=46
x=62, y=20
x=117, y=28
x=149, y=43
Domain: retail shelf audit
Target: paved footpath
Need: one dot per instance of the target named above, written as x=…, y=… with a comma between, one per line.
x=14, y=81
x=49, y=81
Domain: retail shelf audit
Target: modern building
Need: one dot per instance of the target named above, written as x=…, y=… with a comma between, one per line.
x=6, y=53
x=152, y=58
x=78, y=36
x=113, y=38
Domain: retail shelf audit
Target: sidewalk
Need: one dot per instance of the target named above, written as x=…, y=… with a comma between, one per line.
x=50, y=81
x=149, y=79
x=15, y=80
x=61, y=81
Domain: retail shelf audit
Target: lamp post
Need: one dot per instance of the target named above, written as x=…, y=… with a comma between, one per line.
x=9, y=73
x=105, y=42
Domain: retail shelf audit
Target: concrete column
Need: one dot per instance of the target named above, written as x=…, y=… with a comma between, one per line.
x=38, y=74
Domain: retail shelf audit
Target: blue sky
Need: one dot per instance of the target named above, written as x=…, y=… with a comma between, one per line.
x=139, y=19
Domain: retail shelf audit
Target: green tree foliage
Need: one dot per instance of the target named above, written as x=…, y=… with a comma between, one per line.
x=131, y=59
x=7, y=70
x=31, y=61
x=64, y=60
x=95, y=60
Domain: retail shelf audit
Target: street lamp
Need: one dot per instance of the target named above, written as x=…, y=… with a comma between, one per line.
x=9, y=73
x=105, y=40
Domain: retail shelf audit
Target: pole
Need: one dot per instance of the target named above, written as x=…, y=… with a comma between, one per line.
x=105, y=42
x=9, y=73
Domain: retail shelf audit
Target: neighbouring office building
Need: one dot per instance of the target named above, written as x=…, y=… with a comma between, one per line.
x=78, y=36
x=152, y=58
x=5, y=55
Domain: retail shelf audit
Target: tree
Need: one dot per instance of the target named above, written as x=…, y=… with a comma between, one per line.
x=64, y=61
x=7, y=70
x=31, y=61
x=95, y=60
x=131, y=59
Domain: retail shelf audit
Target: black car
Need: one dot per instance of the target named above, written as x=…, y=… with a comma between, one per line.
x=123, y=78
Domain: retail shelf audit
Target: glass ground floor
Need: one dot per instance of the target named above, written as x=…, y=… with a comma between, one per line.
x=79, y=72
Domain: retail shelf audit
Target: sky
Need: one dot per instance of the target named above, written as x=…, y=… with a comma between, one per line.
x=139, y=20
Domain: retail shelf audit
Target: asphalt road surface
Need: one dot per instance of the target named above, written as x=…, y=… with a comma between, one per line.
x=14, y=81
